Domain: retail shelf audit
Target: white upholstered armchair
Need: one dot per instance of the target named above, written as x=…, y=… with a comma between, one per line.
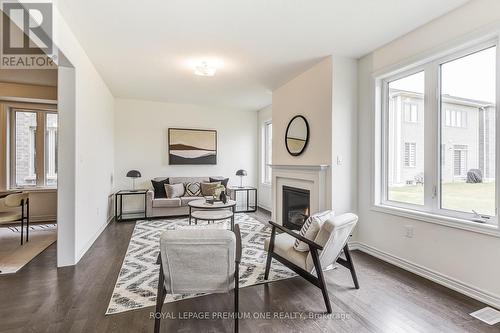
x=188, y=254
x=324, y=250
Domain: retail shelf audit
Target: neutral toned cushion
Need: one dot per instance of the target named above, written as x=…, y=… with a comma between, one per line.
x=198, y=261
x=311, y=228
x=207, y=189
x=333, y=236
x=193, y=189
x=14, y=200
x=174, y=190
x=283, y=246
x=166, y=202
x=185, y=200
x=9, y=217
x=222, y=180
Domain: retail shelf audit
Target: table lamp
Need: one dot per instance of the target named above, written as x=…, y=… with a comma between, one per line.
x=133, y=174
x=241, y=173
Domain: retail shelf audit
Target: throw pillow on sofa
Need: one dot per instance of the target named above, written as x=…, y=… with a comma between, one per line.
x=174, y=190
x=193, y=189
x=159, y=188
x=208, y=189
x=223, y=181
x=311, y=228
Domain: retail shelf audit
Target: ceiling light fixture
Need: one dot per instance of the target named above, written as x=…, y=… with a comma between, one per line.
x=205, y=66
x=205, y=69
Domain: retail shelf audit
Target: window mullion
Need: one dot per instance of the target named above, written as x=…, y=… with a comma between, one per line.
x=431, y=138
x=40, y=149
x=497, y=130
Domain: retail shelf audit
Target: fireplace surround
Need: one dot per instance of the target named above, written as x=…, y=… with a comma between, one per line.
x=312, y=178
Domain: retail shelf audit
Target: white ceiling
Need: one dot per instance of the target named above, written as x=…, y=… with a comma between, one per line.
x=141, y=47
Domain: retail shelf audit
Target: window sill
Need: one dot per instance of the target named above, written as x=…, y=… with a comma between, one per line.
x=33, y=189
x=482, y=228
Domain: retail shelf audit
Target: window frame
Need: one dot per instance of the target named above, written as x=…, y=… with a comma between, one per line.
x=432, y=117
x=40, y=163
x=266, y=168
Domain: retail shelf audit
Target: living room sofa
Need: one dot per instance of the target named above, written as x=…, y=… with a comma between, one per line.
x=160, y=207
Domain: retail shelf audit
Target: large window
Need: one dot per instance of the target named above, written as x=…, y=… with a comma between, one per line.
x=468, y=178
x=405, y=163
x=33, y=148
x=268, y=152
x=441, y=159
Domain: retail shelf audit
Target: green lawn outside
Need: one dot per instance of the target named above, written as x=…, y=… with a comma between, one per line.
x=455, y=196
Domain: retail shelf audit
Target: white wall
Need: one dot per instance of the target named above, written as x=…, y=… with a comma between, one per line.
x=344, y=135
x=265, y=190
x=468, y=259
x=309, y=94
x=141, y=129
x=86, y=149
x=326, y=94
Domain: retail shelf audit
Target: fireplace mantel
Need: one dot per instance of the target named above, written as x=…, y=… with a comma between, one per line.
x=315, y=178
x=295, y=166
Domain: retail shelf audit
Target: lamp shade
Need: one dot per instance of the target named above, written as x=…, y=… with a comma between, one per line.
x=241, y=172
x=133, y=174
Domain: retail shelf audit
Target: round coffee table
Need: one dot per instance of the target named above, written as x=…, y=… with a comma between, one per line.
x=201, y=210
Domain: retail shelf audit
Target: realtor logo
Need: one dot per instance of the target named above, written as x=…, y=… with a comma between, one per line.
x=27, y=35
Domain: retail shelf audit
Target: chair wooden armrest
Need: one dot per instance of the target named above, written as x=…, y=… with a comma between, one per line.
x=238, y=243
x=297, y=236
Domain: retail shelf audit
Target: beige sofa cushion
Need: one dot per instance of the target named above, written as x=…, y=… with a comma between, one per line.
x=208, y=189
x=166, y=202
x=174, y=190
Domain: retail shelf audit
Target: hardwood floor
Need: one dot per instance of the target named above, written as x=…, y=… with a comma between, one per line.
x=41, y=298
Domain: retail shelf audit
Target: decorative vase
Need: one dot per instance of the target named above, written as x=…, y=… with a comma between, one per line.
x=223, y=197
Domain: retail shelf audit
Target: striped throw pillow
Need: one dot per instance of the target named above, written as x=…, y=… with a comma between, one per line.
x=311, y=228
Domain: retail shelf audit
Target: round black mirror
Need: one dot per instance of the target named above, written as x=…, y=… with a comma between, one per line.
x=297, y=135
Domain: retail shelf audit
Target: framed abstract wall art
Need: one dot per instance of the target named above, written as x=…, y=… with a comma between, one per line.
x=192, y=146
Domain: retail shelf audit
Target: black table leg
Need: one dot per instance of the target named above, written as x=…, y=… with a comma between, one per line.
x=116, y=207
x=232, y=219
x=255, y=207
x=248, y=200
x=121, y=206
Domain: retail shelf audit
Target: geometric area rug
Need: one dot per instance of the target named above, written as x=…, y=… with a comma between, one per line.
x=137, y=281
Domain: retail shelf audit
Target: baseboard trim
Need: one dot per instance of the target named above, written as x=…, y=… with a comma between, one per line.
x=459, y=286
x=43, y=218
x=92, y=240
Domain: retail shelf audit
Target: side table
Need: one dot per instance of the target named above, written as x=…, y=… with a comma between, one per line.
x=119, y=215
x=249, y=207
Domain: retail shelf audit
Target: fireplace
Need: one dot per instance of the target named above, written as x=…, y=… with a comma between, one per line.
x=295, y=207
